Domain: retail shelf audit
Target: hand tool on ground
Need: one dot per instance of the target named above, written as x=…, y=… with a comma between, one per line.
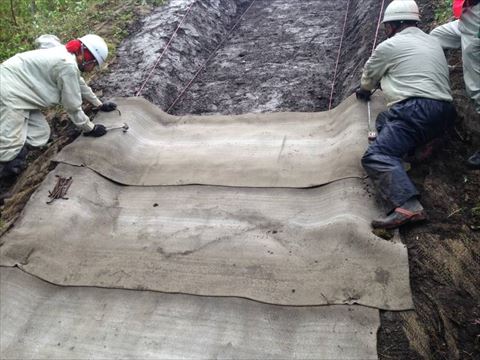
x=372, y=134
x=60, y=189
x=124, y=127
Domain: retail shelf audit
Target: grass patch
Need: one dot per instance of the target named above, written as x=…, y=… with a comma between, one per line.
x=22, y=21
x=444, y=12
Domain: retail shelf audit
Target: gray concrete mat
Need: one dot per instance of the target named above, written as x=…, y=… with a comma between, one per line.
x=44, y=321
x=259, y=150
x=282, y=246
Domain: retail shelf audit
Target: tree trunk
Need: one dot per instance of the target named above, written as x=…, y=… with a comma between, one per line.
x=33, y=7
x=13, y=13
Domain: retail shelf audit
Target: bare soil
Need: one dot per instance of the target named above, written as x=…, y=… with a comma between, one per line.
x=281, y=56
x=444, y=253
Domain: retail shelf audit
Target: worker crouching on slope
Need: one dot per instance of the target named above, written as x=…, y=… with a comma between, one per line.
x=413, y=73
x=41, y=78
x=465, y=33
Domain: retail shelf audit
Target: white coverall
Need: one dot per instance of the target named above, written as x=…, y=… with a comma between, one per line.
x=34, y=80
x=408, y=65
x=464, y=33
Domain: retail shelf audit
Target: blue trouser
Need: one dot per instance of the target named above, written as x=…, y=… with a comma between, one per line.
x=401, y=129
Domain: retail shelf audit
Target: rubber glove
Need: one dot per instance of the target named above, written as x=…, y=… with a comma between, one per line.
x=98, y=130
x=362, y=94
x=107, y=106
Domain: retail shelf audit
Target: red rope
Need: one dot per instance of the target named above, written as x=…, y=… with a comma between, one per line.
x=378, y=26
x=206, y=62
x=338, y=56
x=341, y=42
x=165, y=49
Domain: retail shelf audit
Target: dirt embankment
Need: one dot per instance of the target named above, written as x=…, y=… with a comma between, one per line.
x=281, y=56
x=277, y=56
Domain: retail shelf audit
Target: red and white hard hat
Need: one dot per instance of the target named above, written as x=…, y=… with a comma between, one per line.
x=97, y=46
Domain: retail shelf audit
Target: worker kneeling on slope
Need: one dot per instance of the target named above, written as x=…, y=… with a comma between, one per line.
x=413, y=73
x=41, y=78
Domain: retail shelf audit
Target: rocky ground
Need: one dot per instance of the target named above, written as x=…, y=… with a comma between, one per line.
x=281, y=56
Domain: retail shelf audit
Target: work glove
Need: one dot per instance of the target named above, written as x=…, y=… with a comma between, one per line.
x=362, y=94
x=98, y=130
x=107, y=106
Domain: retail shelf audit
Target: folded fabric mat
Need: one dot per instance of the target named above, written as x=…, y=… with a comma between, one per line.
x=44, y=321
x=259, y=150
x=281, y=246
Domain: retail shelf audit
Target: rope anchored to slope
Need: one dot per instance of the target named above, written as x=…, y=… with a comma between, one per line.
x=208, y=59
x=341, y=44
x=165, y=49
x=338, y=56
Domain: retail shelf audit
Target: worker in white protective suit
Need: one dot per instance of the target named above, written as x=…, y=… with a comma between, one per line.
x=413, y=73
x=464, y=33
x=37, y=79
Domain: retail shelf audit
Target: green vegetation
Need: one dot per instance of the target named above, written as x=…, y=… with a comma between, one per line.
x=444, y=11
x=22, y=21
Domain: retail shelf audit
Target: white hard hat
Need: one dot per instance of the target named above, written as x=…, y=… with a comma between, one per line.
x=399, y=10
x=97, y=46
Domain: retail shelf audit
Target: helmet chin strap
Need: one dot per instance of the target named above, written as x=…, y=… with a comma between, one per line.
x=84, y=63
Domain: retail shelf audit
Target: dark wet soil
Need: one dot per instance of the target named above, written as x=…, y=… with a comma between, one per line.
x=280, y=56
x=272, y=56
x=444, y=253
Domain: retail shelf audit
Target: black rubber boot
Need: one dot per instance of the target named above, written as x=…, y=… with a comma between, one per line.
x=14, y=167
x=473, y=161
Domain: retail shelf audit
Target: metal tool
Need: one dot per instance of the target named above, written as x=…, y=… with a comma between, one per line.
x=124, y=127
x=60, y=189
x=372, y=134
